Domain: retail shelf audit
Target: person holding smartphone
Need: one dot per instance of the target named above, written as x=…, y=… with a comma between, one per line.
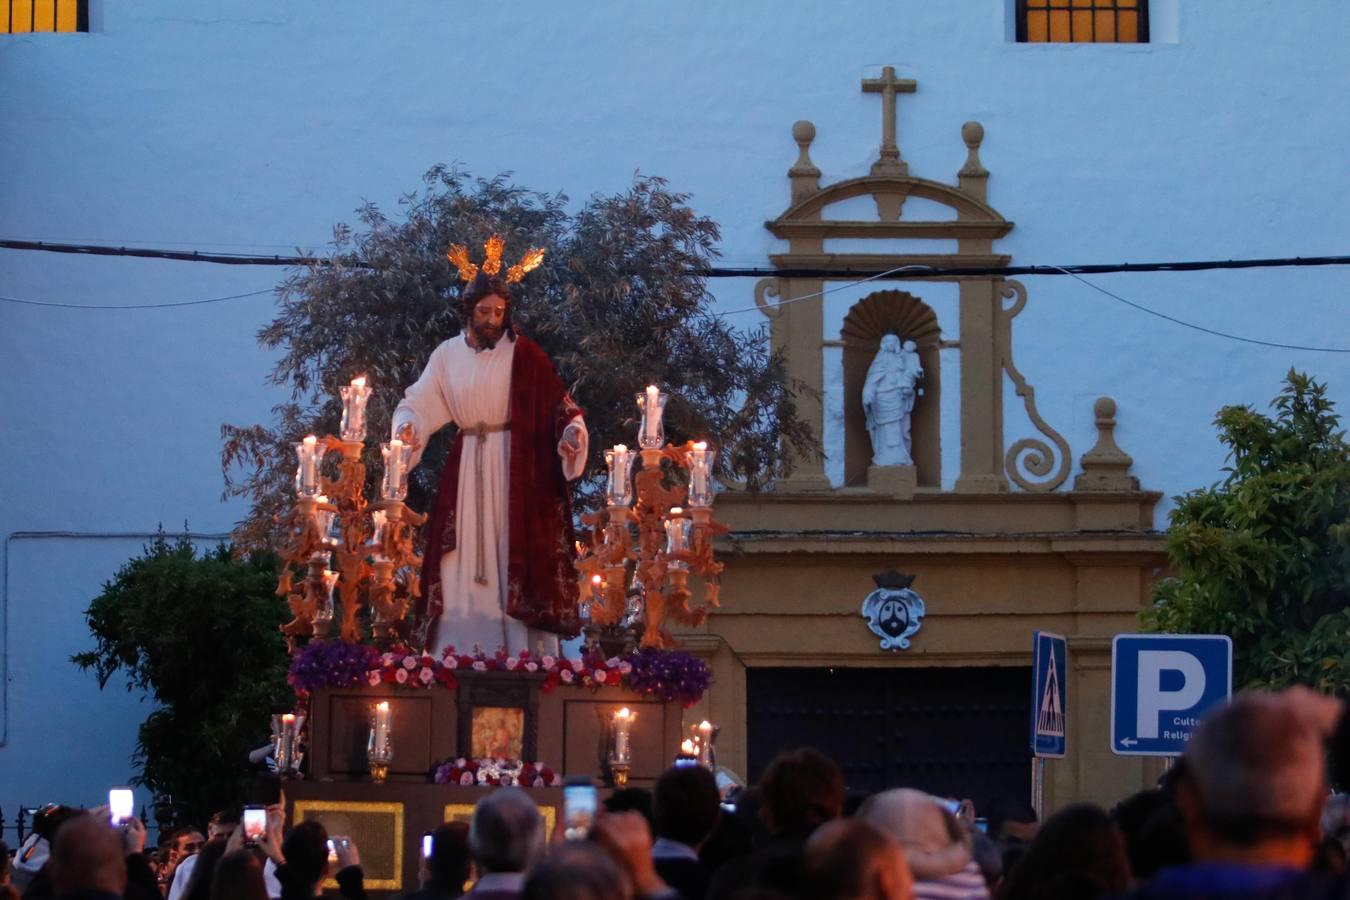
x=445, y=863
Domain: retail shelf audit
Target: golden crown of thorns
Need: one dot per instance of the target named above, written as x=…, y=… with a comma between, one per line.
x=492, y=260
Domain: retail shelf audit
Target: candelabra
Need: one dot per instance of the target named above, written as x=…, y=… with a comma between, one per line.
x=670, y=515
x=373, y=546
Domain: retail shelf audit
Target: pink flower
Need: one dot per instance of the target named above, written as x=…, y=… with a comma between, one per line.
x=538, y=781
x=531, y=666
x=479, y=666
x=410, y=662
x=401, y=676
x=466, y=779
x=451, y=662
x=625, y=667
x=567, y=676
x=373, y=676
x=387, y=659
x=613, y=662
x=426, y=676
x=599, y=676
x=549, y=663
x=578, y=665
x=511, y=663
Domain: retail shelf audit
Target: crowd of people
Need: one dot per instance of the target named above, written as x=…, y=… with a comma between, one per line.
x=1246, y=813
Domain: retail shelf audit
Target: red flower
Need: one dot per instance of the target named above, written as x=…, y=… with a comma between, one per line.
x=387, y=676
x=550, y=683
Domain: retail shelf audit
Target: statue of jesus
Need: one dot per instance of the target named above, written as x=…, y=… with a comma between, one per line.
x=497, y=568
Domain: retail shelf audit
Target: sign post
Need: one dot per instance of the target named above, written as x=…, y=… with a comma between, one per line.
x=1049, y=708
x=1161, y=685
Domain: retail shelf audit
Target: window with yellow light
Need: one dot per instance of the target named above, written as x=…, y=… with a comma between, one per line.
x=1082, y=21
x=30, y=16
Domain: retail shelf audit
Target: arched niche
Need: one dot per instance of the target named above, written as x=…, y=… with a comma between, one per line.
x=867, y=321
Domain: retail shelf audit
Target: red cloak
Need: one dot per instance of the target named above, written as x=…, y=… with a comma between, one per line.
x=541, y=588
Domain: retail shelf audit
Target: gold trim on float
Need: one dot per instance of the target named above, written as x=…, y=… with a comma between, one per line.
x=464, y=811
x=357, y=806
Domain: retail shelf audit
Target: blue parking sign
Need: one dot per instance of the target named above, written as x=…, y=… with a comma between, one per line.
x=1049, y=707
x=1161, y=685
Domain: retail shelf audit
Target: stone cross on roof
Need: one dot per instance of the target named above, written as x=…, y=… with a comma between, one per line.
x=888, y=86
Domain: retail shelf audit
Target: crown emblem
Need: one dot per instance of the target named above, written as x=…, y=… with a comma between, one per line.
x=492, y=260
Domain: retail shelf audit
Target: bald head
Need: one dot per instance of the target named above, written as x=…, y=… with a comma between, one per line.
x=848, y=859
x=88, y=856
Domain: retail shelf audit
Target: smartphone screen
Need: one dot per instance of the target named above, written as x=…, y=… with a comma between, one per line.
x=332, y=851
x=426, y=846
x=121, y=803
x=255, y=823
x=579, y=805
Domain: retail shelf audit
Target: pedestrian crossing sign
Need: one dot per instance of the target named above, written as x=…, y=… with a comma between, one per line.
x=1049, y=711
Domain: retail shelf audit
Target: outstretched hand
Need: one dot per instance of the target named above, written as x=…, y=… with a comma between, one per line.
x=570, y=442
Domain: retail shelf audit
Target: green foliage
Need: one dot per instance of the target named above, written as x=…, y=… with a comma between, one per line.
x=617, y=304
x=1264, y=556
x=199, y=634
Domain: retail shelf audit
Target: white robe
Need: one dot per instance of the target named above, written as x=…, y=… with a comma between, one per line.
x=468, y=387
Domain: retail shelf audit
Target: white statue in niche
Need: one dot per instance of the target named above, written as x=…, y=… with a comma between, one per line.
x=888, y=400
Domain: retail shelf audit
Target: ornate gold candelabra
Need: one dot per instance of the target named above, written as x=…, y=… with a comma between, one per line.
x=377, y=563
x=672, y=541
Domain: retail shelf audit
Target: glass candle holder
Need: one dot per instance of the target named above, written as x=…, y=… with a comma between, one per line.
x=354, y=398
x=677, y=537
x=700, y=475
x=309, y=452
x=380, y=746
x=652, y=430
x=286, y=742
x=397, y=456
x=620, y=462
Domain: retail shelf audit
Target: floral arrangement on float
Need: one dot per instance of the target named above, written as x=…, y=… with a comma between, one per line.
x=495, y=773
x=672, y=675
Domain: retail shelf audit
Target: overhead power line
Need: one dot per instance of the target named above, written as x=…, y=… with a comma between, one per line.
x=905, y=272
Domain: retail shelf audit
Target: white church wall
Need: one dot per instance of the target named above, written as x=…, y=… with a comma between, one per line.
x=254, y=127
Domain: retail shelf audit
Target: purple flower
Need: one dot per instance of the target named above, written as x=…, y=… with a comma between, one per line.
x=330, y=664
x=670, y=674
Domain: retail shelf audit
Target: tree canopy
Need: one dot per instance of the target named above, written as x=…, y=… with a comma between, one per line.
x=618, y=304
x=1264, y=555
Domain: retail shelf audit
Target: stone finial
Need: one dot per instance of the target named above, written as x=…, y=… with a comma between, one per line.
x=804, y=174
x=973, y=177
x=1106, y=466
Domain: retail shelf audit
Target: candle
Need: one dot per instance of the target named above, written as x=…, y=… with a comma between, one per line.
x=619, y=460
x=623, y=723
x=310, y=452
x=381, y=726
x=687, y=748
x=677, y=536
x=700, y=466
x=396, y=455
x=652, y=402
x=354, y=398
x=705, y=731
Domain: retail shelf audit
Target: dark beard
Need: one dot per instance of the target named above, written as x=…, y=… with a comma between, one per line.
x=486, y=336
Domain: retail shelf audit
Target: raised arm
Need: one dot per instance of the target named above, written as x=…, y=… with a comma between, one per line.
x=424, y=409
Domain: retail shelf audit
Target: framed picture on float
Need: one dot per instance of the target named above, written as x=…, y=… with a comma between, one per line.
x=498, y=719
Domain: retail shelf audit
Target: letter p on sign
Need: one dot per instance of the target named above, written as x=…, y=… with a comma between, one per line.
x=1153, y=700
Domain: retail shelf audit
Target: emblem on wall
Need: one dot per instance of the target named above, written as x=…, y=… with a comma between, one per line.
x=893, y=611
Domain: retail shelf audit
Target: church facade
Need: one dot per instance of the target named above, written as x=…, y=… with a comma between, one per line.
x=1054, y=423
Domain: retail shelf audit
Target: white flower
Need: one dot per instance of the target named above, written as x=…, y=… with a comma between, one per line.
x=539, y=781
x=625, y=667
x=613, y=662
x=479, y=666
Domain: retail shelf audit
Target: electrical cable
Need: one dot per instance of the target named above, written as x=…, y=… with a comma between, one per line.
x=1216, y=333
x=171, y=303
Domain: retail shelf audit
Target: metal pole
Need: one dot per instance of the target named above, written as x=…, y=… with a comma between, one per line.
x=1038, y=787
